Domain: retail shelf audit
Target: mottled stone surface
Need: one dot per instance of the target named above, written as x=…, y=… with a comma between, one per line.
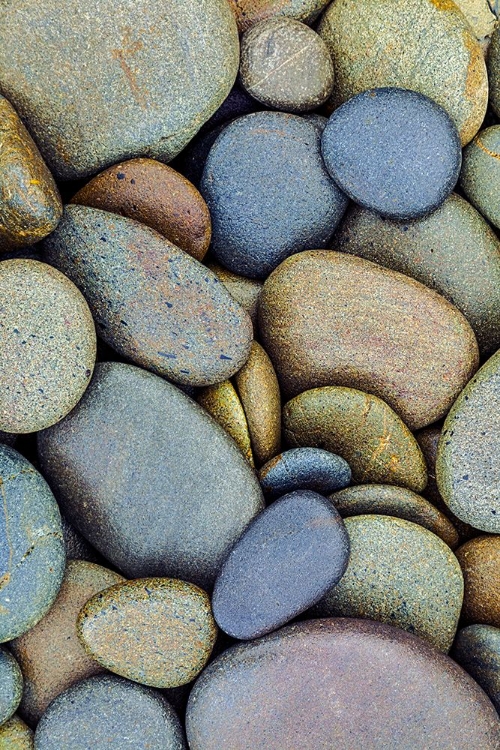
x=453, y=251
x=387, y=500
x=304, y=469
x=284, y=562
x=100, y=83
x=468, y=465
x=480, y=15
x=494, y=70
x=480, y=562
x=50, y=654
x=107, y=711
x=285, y=65
x=48, y=345
x=148, y=477
x=249, y=12
x=155, y=631
x=31, y=545
x=245, y=291
x=223, y=404
x=362, y=429
x=152, y=302
x=15, y=735
x=30, y=205
x=268, y=192
x=11, y=685
x=477, y=650
x=422, y=45
x=401, y=574
x=156, y=195
x=327, y=318
x=387, y=691
x=481, y=173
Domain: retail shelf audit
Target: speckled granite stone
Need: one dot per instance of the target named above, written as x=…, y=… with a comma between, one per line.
x=481, y=16
x=494, y=70
x=245, y=291
x=249, y=12
x=11, y=686
x=481, y=173
x=16, y=735
x=477, y=650
x=304, y=469
x=480, y=562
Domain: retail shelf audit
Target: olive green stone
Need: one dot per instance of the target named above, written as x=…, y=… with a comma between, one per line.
x=155, y=631
x=15, y=735
x=362, y=429
x=245, y=291
x=11, y=685
x=477, y=649
x=401, y=574
x=479, y=559
x=422, y=45
x=453, y=250
x=494, y=70
x=480, y=173
x=223, y=404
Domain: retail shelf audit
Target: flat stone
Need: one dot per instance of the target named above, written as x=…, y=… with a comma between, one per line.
x=386, y=688
x=284, y=64
x=152, y=302
x=16, y=735
x=245, y=291
x=401, y=574
x=156, y=195
x=30, y=205
x=11, y=685
x=109, y=711
x=148, y=477
x=453, y=251
x=100, y=84
x=362, y=429
x=249, y=12
x=223, y=404
x=48, y=345
x=50, y=654
x=31, y=545
x=481, y=172
x=493, y=71
x=155, y=631
x=477, y=650
x=422, y=45
x=304, y=469
x=401, y=341
x=268, y=192
x=480, y=562
x=467, y=465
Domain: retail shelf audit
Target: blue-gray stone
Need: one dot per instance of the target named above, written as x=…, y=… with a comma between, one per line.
x=11, y=685
x=304, y=469
x=477, y=650
x=394, y=151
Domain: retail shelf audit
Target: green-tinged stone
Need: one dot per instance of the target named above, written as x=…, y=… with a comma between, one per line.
x=16, y=735
x=223, y=404
x=480, y=173
x=11, y=686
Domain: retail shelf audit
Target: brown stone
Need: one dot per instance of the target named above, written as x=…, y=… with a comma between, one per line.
x=480, y=562
x=249, y=12
x=245, y=291
x=223, y=404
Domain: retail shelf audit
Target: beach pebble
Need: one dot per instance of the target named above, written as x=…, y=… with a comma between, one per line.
x=304, y=469
x=223, y=404
x=11, y=686
x=245, y=291
x=480, y=562
x=481, y=173
x=16, y=735
x=477, y=650
x=249, y=12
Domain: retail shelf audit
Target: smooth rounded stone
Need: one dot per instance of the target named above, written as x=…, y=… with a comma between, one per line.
x=245, y=291
x=268, y=192
x=480, y=15
x=327, y=318
x=77, y=548
x=401, y=574
x=339, y=684
x=109, y=83
x=48, y=345
x=284, y=64
x=16, y=735
x=30, y=205
x=481, y=173
x=31, y=545
x=477, y=650
x=223, y=404
x=156, y=195
x=109, y=712
x=467, y=464
x=250, y=12
x=453, y=251
x=384, y=165
x=156, y=631
x=259, y=392
x=148, y=477
x=284, y=562
x=387, y=500
x=423, y=45
x=304, y=469
x=11, y=685
x=480, y=562
x=494, y=70
x=152, y=302
x=50, y=654
x=362, y=429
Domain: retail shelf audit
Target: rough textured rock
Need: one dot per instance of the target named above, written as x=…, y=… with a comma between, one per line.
x=480, y=15
x=223, y=404
x=11, y=686
x=481, y=173
x=15, y=735
x=480, y=562
x=249, y=12
x=477, y=650
x=494, y=70
x=304, y=469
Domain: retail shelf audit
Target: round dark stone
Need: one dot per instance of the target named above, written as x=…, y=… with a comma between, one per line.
x=477, y=650
x=286, y=559
x=304, y=469
x=268, y=192
x=11, y=685
x=394, y=151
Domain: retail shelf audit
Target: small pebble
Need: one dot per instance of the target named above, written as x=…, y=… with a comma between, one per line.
x=16, y=735
x=249, y=12
x=223, y=404
x=494, y=70
x=245, y=291
x=11, y=686
x=480, y=562
x=481, y=173
x=477, y=649
x=304, y=469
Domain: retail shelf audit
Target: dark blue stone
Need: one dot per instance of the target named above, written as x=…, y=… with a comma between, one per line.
x=393, y=151
x=304, y=469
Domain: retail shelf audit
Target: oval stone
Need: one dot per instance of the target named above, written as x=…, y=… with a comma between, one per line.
x=477, y=650
x=480, y=562
x=362, y=429
x=401, y=574
x=249, y=12
x=31, y=545
x=284, y=562
x=421, y=45
x=384, y=165
x=304, y=469
x=223, y=404
x=401, y=341
x=339, y=684
x=16, y=735
x=108, y=711
x=268, y=192
x=453, y=251
x=481, y=173
x=148, y=477
x=156, y=195
x=48, y=346
x=11, y=685
x=152, y=302
x=50, y=654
